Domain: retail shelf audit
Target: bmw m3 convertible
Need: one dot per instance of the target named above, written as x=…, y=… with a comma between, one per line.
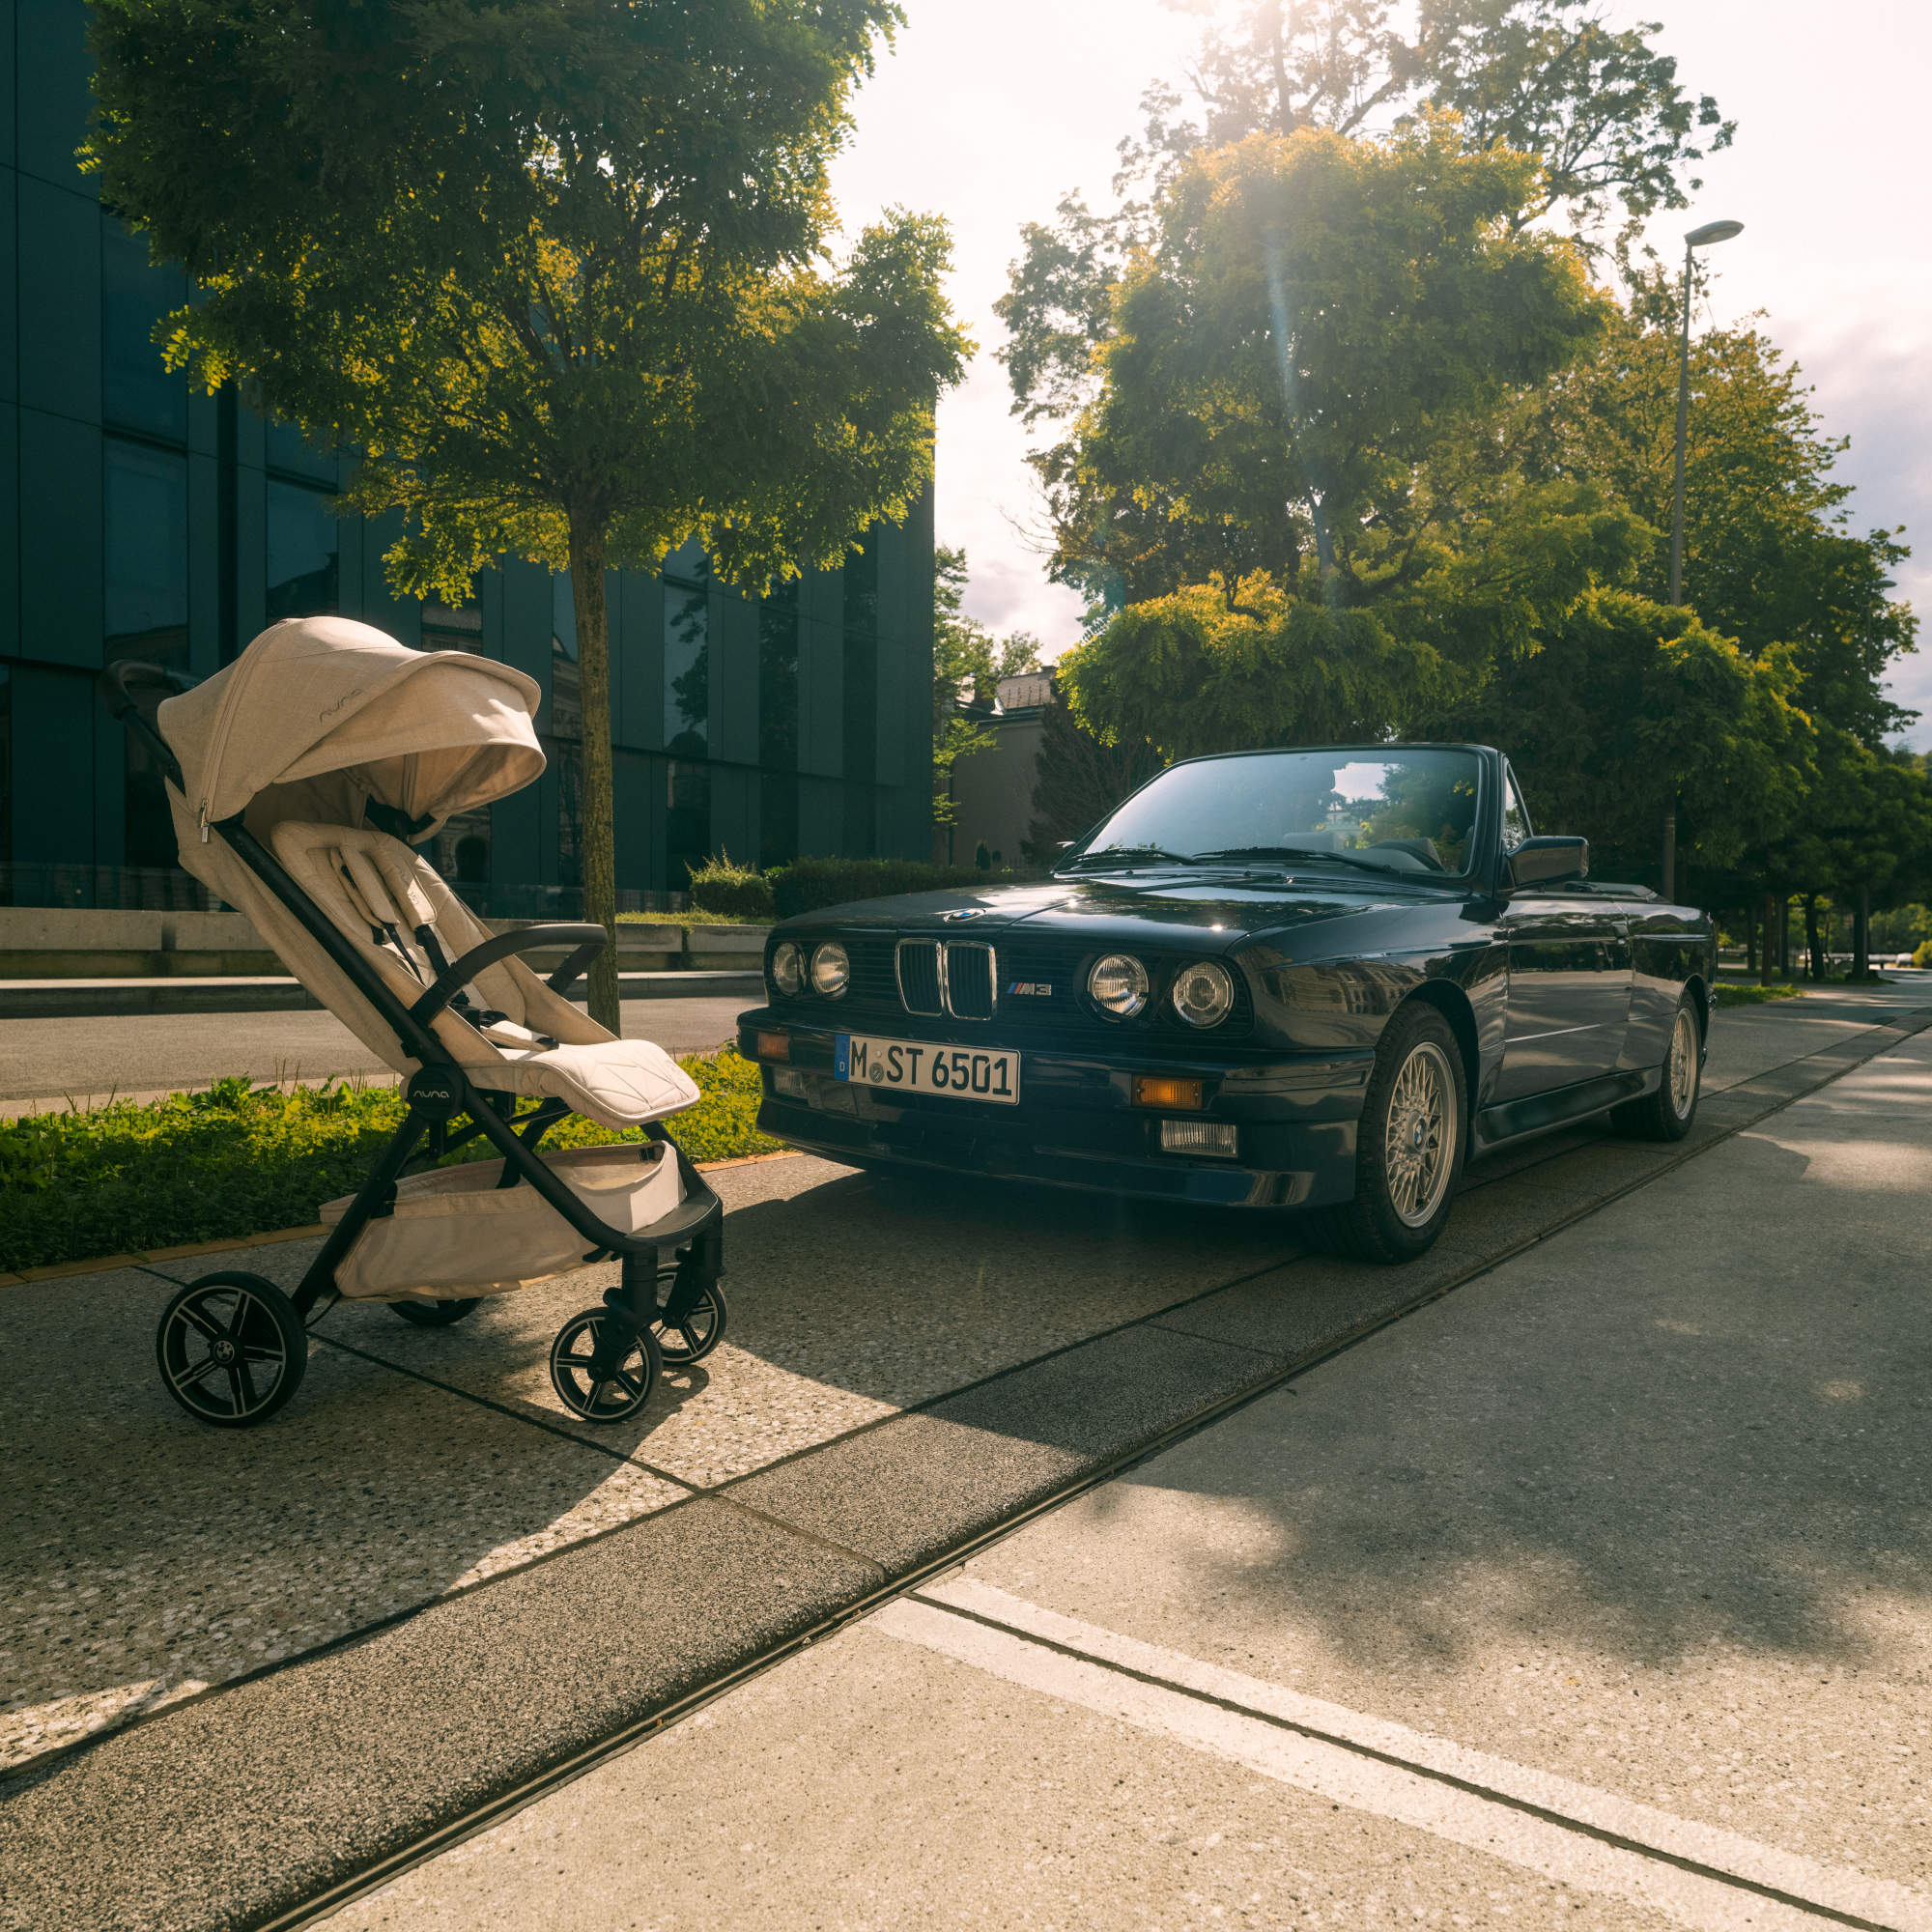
x=1322, y=978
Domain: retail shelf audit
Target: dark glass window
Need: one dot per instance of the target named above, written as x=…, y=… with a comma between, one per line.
x=288, y=448
x=862, y=694
x=688, y=818
x=687, y=669
x=136, y=392
x=777, y=725
x=304, y=543
x=146, y=545
x=6, y=774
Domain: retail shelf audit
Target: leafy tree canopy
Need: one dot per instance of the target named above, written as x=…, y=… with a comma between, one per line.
x=1770, y=556
x=1600, y=109
x=1293, y=464
x=968, y=662
x=557, y=269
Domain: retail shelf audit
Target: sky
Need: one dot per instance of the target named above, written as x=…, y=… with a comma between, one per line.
x=989, y=110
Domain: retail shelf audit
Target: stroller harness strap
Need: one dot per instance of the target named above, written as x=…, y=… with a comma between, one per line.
x=511, y=1032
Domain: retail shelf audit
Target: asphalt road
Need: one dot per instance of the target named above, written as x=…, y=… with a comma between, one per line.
x=56, y=1059
x=1598, y=1593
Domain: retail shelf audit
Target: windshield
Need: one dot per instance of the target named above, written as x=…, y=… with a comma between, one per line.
x=1399, y=812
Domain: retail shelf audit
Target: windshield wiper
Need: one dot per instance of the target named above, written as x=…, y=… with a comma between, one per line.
x=1136, y=854
x=1301, y=852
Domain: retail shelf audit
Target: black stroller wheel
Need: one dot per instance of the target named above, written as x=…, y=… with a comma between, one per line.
x=615, y=1396
x=702, y=1329
x=232, y=1349
x=436, y=1314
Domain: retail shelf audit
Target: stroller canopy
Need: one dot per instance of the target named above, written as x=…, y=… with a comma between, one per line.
x=339, y=714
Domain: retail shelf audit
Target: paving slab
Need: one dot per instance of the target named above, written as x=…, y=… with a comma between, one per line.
x=1649, y=1507
x=237, y=1807
x=144, y=1557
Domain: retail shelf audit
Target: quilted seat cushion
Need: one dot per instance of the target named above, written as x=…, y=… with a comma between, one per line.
x=618, y=1083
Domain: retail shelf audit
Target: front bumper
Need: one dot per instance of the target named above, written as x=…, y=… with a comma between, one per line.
x=1075, y=1124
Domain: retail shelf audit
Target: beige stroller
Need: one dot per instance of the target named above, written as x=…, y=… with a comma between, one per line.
x=299, y=778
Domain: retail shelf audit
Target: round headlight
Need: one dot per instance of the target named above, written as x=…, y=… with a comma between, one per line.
x=830, y=969
x=1204, y=993
x=1119, y=983
x=789, y=968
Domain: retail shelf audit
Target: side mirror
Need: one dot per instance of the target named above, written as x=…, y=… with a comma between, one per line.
x=1542, y=862
x=1064, y=845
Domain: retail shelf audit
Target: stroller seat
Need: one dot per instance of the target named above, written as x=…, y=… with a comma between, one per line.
x=508, y=1029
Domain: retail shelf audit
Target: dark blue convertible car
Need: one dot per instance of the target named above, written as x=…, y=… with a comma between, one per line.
x=1320, y=978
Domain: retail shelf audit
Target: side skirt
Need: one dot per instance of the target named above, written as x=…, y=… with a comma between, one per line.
x=1535, y=1113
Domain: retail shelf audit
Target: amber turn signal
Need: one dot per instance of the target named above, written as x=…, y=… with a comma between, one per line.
x=1160, y=1089
x=773, y=1045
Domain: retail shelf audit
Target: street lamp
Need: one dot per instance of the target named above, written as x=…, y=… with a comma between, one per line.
x=1710, y=234
x=1705, y=236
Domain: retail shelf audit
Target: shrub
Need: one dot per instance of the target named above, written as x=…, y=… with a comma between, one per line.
x=809, y=885
x=240, y=1161
x=732, y=891
x=1921, y=954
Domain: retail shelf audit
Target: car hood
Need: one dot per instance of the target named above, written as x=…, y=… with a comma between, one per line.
x=1215, y=911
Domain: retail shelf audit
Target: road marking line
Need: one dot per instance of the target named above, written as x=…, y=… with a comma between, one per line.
x=1699, y=1875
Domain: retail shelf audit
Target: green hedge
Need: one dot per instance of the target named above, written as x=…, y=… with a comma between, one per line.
x=1754, y=996
x=732, y=891
x=807, y=885
x=239, y=1161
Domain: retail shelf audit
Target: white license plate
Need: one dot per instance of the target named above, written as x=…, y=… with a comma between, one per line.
x=920, y=1067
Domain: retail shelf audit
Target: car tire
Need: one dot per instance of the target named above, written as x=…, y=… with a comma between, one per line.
x=1417, y=1101
x=1668, y=1114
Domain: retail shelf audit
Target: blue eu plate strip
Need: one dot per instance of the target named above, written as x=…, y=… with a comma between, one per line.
x=841, y=1056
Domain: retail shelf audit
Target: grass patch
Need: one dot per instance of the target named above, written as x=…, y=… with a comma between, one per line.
x=1756, y=996
x=692, y=916
x=240, y=1160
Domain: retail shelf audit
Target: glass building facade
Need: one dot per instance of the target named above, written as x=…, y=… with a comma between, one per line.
x=140, y=520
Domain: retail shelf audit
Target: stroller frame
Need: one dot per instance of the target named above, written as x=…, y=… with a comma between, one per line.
x=266, y=1329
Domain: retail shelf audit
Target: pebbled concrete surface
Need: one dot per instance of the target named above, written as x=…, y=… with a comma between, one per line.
x=237, y=1806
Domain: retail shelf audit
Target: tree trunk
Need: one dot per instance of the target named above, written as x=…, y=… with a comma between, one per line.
x=1862, y=935
x=598, y=855
x=1750, y=939
x=1671, y=853
x=1814, y=945
x=1768, y=950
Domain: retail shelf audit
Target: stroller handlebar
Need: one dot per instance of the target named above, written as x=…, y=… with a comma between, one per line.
x=125, y=708
x=588, y=940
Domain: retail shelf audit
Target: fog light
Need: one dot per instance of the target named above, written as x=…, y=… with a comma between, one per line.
x=1160, y=1089
x=773, y=1046
x=791, y=1082
x=1216, y=1137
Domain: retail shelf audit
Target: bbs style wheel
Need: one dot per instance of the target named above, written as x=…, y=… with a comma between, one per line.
x=231, y=1350
x=700, y=1330
x=1409, y=1148
x=1666, y=1115
x=614, y=1390
x=428, y=1313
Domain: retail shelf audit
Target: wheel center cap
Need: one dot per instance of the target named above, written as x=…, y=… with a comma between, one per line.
x=223, y=1351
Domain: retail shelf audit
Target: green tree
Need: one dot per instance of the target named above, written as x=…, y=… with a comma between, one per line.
x=1078, y=780
x=1770, y=556
x=556, y=268
x=1300, y=460
x=968, y=662
x=1599, y=107
x=1627, y=705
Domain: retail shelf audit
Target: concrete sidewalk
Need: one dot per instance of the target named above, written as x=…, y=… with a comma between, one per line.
x=425, y=1586
x=1599, y=1593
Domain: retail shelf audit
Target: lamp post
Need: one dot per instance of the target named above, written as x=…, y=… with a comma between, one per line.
x=1710, y=233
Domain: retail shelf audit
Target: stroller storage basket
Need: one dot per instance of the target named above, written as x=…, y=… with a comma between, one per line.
x=455, y=1232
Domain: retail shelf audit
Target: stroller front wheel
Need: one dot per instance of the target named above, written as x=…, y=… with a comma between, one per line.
x=598, y=1382
x=698, y=1330
x=231, y=1350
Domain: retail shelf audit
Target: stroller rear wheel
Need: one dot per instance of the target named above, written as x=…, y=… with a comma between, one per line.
x=601, y=1384
x=232, y=1349
x=697, y=1331
x=428, y=1313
